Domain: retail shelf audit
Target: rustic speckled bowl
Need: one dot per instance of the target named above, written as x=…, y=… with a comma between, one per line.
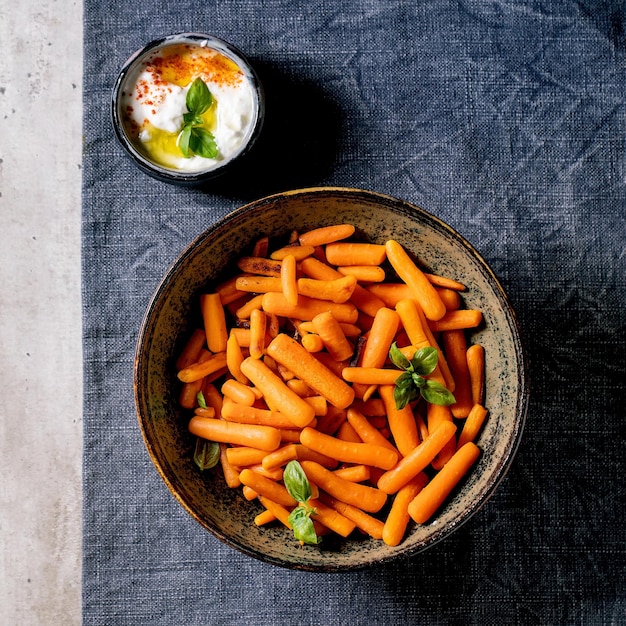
x=173, y=312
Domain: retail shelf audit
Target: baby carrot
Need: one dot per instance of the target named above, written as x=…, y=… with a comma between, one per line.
x=258, y=327
x=455, y=345
x=453, y=320
x=422, y=288
x=327, y=327
x=234, y=358
x=364, y=522
x=472, y=424
x=231, y=473
x=427, y=501
x=243, y=312
x=326, y=234
x=370, y=375
x=338, y=290
x=331, y=518
x=214, y=322
x=355, y=253
x=305, y=366
x=266, y=487
x=367, y=498
x=188, y=397
x=366, y=432
x=191, y=350
x=450, y=298
x=391, y=293
x=308, y=308
x=364, y=273
x=221, y=431
x=401, y=422
x=475, y=356
x=234, y=412
x=258, y=284
x=280, y=512
x=201, y=369
x=312, y=342
x=443, y=281
x=288, y=279
x=237, y=392
x=263, y=518
x=417, y=460
x=228, y=291
x=347, y=432
x=398, y=516
x=242, y=456
x=259, y=265
x=435, y=415
x=348, y=452
x=276, y=393
x=354, y=473
x=319, y=404
x=298, y=252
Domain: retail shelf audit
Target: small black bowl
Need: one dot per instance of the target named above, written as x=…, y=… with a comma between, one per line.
x=130, y=144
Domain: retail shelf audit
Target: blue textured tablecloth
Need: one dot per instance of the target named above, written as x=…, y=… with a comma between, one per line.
x=507, y=120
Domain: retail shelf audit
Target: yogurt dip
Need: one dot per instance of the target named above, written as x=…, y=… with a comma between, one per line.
x=152, y=102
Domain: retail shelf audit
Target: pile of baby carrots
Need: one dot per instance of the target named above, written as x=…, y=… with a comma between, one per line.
x=292, y=363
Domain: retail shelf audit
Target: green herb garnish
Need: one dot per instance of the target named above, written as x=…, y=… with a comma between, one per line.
x=413, y=382
x=201, y=400
x=206, y=454
x=193, y=138
x=299, y=489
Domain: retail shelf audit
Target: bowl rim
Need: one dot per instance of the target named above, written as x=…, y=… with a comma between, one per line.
x=521, y=358
x=172, y=175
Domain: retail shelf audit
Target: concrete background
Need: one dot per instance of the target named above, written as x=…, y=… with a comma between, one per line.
x=40, y=314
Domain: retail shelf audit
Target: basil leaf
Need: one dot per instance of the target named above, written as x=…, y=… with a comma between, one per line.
x=302, y=525
x=207, y=454
x=201, y=400
x=424, y=361
x=202, y=143
x=436, y=393
x=192, y=119
x=418, y=381
x=198, y=98
x=403, y=395
x=404, y=381
x=397, y=358
x=296, y=482
x=183, y=141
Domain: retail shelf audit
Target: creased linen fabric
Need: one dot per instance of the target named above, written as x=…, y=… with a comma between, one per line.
x=505, y=119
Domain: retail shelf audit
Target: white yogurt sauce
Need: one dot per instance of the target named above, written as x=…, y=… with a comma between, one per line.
x=153, y=103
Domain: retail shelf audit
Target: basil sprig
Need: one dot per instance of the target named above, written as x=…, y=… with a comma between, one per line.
x=413, y=382
x=299, y=489
x=193, y=138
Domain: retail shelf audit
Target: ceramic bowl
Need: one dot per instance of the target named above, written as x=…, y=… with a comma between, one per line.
x=126, y=130
x=173, y=312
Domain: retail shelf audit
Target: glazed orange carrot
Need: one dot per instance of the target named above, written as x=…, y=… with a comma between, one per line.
x=370, y=375
x=422, y=429
x=188, y=397
x=263, y=518
x=455, y=345
x=364, y=273
x=266, y=487
x=330, y=423
x=234, y=358
x=277, y=510
x=361, y=298
x=417, y=460
x=338, y=290
x=435, y=415
x=331, y=518
x=475, y=355
x=326, y=234
x=208, y=412
x=308, y=308
x=472, y=424
x=347, y=432
x=453, y=320
x=212, y=397
x=305, y=366
x=298, y=252
x=242, y=456
x=348, y=452
x=391, y=293
x=349, y=330
x=191, y=351
x=288, y=279
x=443, y=281
x=354, y=473
x=239, y=393
x=312, y=342
x=401, y=422
x=450, y=298
x=335, y=342
x=370, y=408
x=228, y=291
x=243, y=312
x=234, y=412
x=276, y=393
x=422, y=288
x=355, y=253
x=242, y=335
x=366, y=432
x=201, y=369
x=363, y=521
x=319, y=404
x=261, y=246
x=428, y=501
x=259, y=265
x=299, y=386
x=398, y=517
x=367, y=498
x=258, y=327
x=221, y=431
x=258, y=284
x=280, y=457
x=231, y=473
x=214, y=322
